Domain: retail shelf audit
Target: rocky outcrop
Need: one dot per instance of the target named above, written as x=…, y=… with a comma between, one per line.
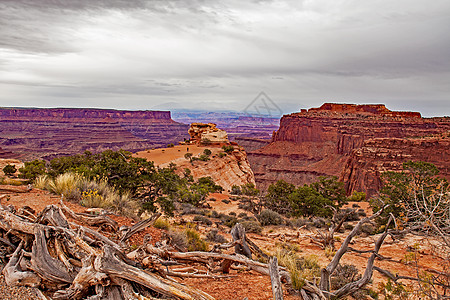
x=234, y=123
x=226, y=171
x=251, y=144
x=322, y=141
x=365, y=164
x=207, y=134
x=46, y=133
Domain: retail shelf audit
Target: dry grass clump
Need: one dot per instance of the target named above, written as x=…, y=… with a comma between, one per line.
x=300, y=268
x=65, y=184
x=187, y=240
x=41, y=182
x=162, y=223
x=89, y=193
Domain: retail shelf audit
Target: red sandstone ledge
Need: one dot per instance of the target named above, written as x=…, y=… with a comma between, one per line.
x=372, y=109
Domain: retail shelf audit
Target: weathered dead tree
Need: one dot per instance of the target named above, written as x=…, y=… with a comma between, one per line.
x=73, y=261
x=277, y=289
x=238, y=234
x=325, y=239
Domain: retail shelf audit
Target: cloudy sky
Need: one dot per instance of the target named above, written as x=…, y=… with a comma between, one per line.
x=219, y=55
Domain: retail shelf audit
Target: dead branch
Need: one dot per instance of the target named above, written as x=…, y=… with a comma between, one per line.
x=277, y=290
x=141, y=225
x=88, y=219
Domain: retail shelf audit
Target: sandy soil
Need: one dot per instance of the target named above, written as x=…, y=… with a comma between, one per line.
x=162, y=156
x=252, y=285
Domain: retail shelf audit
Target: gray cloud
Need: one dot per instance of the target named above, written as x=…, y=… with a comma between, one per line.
x=141, y=54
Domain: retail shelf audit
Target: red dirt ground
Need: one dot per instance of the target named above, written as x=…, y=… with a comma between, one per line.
x=250, y=284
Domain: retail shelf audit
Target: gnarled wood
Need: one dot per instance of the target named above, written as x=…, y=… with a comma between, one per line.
x=277, y=289
x=238, y=234
x=141, y=225
x=14, y=275
x=90, y=220
x=110, y=263
x=44, y=264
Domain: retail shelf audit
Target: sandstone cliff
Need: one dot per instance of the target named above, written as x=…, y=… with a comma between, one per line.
x=324, y=141
x=46, y=133
x=207, y=134
x=232, y=169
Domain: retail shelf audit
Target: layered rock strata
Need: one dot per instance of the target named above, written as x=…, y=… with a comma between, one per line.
x=324, y=141
x=46, y=133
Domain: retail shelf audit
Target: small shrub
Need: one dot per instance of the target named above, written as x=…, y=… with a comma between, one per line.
x=170, y=145
x=348, y=226
x=194, y=241
x=299, y=222
x=221, y=154
x=300, y=268
x=91, y=198
x=214, y=214
x=229, y=221
x=188, y=209
x=213, y=236
x=203, y=220
x=162, y=223
x=345, y=274
x=236, y=190
x=361, y=212
x=269, y=217
x=226, y=201
x=228, y=148
x=367, y=229
x=178, y=240
x=352, y=214
x=242, y=215
x=329, y=253
x=203, y=157
x=319, y=222
x=207, y=152
x=252, y=226
x=232, y=213
x=9, y=170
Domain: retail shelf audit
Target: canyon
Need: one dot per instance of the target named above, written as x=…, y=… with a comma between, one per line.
x=38, y=133
x=356, y=143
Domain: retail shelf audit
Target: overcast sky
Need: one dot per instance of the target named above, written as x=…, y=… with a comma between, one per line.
x=213, y=55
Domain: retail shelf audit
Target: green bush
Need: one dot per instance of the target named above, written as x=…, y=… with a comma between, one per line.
x=236, y=190
x=194, y=241
x=269, y=217
x=9, y=170
x=32, y=169
x=203, y=157
x=162, y=223
x=203, y=220
x=213, y=236
x=252, y=226
x=228, y=148
x=207, y=152
x=221, y=154
x=367, y=228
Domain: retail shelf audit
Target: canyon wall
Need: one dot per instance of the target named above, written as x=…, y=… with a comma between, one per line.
x=47, y=133
x=341, y=139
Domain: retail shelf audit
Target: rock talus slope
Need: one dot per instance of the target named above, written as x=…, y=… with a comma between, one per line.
x=353, y=142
